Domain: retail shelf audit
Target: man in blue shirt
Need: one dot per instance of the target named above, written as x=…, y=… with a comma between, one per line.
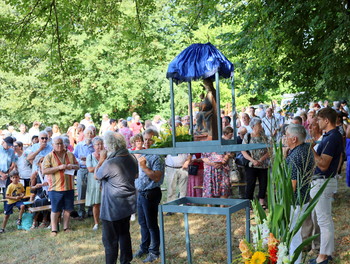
x=39, y=149
x=7, y=162
x=151, y=176
x=301, y=162
x=81, y=151
x=327, y=160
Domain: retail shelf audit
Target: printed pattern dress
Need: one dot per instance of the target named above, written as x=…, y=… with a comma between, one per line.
x=93, y=190
x=216, y=182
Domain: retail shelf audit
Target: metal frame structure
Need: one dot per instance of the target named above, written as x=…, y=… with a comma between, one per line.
x=220, y=145
x=180, y=206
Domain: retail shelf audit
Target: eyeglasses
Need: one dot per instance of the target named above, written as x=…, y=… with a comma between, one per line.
x=44, y=138
x=15, y=146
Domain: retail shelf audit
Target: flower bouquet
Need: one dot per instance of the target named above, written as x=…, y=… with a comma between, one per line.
x=165, y=136
x=273, y=231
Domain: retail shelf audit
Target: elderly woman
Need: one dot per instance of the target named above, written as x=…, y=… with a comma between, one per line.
x=93, y=190
x=258, y=161
x=117, y=172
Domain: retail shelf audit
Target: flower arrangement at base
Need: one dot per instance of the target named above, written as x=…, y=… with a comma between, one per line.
x=165, y=136
x=273, y=231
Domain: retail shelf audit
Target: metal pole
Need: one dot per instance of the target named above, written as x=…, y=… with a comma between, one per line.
x=172, y=106
x=218, y=107
x=228, y=238
x=234, y=108
x=190, y=105
x=188, y=241
x=161, y=229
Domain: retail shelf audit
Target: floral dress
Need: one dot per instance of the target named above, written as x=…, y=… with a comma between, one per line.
x=93, y=190
x=216, y=182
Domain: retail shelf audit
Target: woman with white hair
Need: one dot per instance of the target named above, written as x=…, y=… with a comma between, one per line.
x=117, y=173
x=258, y=161
x=93, y=189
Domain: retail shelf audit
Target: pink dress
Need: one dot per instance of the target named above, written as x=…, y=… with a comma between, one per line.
x=216, y=181
x=195, y=180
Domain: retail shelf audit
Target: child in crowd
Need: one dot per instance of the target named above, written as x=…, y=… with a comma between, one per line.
x=14, y=195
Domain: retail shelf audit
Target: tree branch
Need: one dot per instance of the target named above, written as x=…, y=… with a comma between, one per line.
x=58, y=37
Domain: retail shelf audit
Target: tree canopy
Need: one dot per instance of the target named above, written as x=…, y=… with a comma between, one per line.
x=60, y=58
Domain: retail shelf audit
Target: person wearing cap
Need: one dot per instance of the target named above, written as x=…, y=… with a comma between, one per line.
x=7, y=162
x=87, y=121
x=104, y=124
x=34, y=130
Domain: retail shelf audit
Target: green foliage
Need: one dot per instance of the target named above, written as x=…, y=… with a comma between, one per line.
x=60, y=59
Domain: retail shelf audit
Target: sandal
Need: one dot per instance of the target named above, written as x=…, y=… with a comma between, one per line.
x=53, y=233
x=2, y=230
x=34, y=225
x=67, y=230
x=43, y=224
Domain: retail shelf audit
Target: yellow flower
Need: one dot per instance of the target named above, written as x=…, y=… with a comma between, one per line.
x=258, y=258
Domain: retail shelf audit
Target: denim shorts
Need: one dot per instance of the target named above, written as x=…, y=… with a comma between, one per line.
x=9, y=207
x=63, y=200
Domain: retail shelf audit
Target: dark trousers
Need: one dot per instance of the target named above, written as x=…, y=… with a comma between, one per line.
x=147, y=209
x=115, y=233
x=252, y=174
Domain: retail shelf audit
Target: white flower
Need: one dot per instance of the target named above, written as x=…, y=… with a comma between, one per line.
x=282, y=254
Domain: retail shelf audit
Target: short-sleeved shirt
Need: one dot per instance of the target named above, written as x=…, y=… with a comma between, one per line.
x=136, y=127
x=24, y=167
x=42, y=153
x=82, y=150
x=143, y=182
x=7, y=157
x=14, y=190
x=331, y=145
x=301, y=162
x=118, y=187
x=59, y=181
x=256, y=154
x=269, y=125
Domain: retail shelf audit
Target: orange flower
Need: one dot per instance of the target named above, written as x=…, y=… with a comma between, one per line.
x=272, y=241
x=247, y=255
x=243, y=246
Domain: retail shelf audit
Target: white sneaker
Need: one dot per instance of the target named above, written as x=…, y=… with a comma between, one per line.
x=133, y=217
x=95, y=227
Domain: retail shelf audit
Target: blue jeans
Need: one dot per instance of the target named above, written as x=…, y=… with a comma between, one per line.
x=147, y=208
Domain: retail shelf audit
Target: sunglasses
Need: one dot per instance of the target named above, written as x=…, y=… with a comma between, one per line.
x=43, y=138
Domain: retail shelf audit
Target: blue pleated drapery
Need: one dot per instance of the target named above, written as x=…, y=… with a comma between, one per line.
x=199, y=61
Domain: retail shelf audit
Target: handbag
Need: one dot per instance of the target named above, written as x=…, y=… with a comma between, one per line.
x=193, y=169
x=234, y=176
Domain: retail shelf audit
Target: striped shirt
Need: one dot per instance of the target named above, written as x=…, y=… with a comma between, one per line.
x=59, y=181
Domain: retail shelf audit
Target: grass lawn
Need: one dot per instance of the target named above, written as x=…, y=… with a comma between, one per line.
x=207, y=238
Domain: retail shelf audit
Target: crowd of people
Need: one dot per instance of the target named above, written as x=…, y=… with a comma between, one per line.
x=116, y=184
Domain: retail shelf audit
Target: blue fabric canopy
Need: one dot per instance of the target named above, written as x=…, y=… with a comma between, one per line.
x=199, y=61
